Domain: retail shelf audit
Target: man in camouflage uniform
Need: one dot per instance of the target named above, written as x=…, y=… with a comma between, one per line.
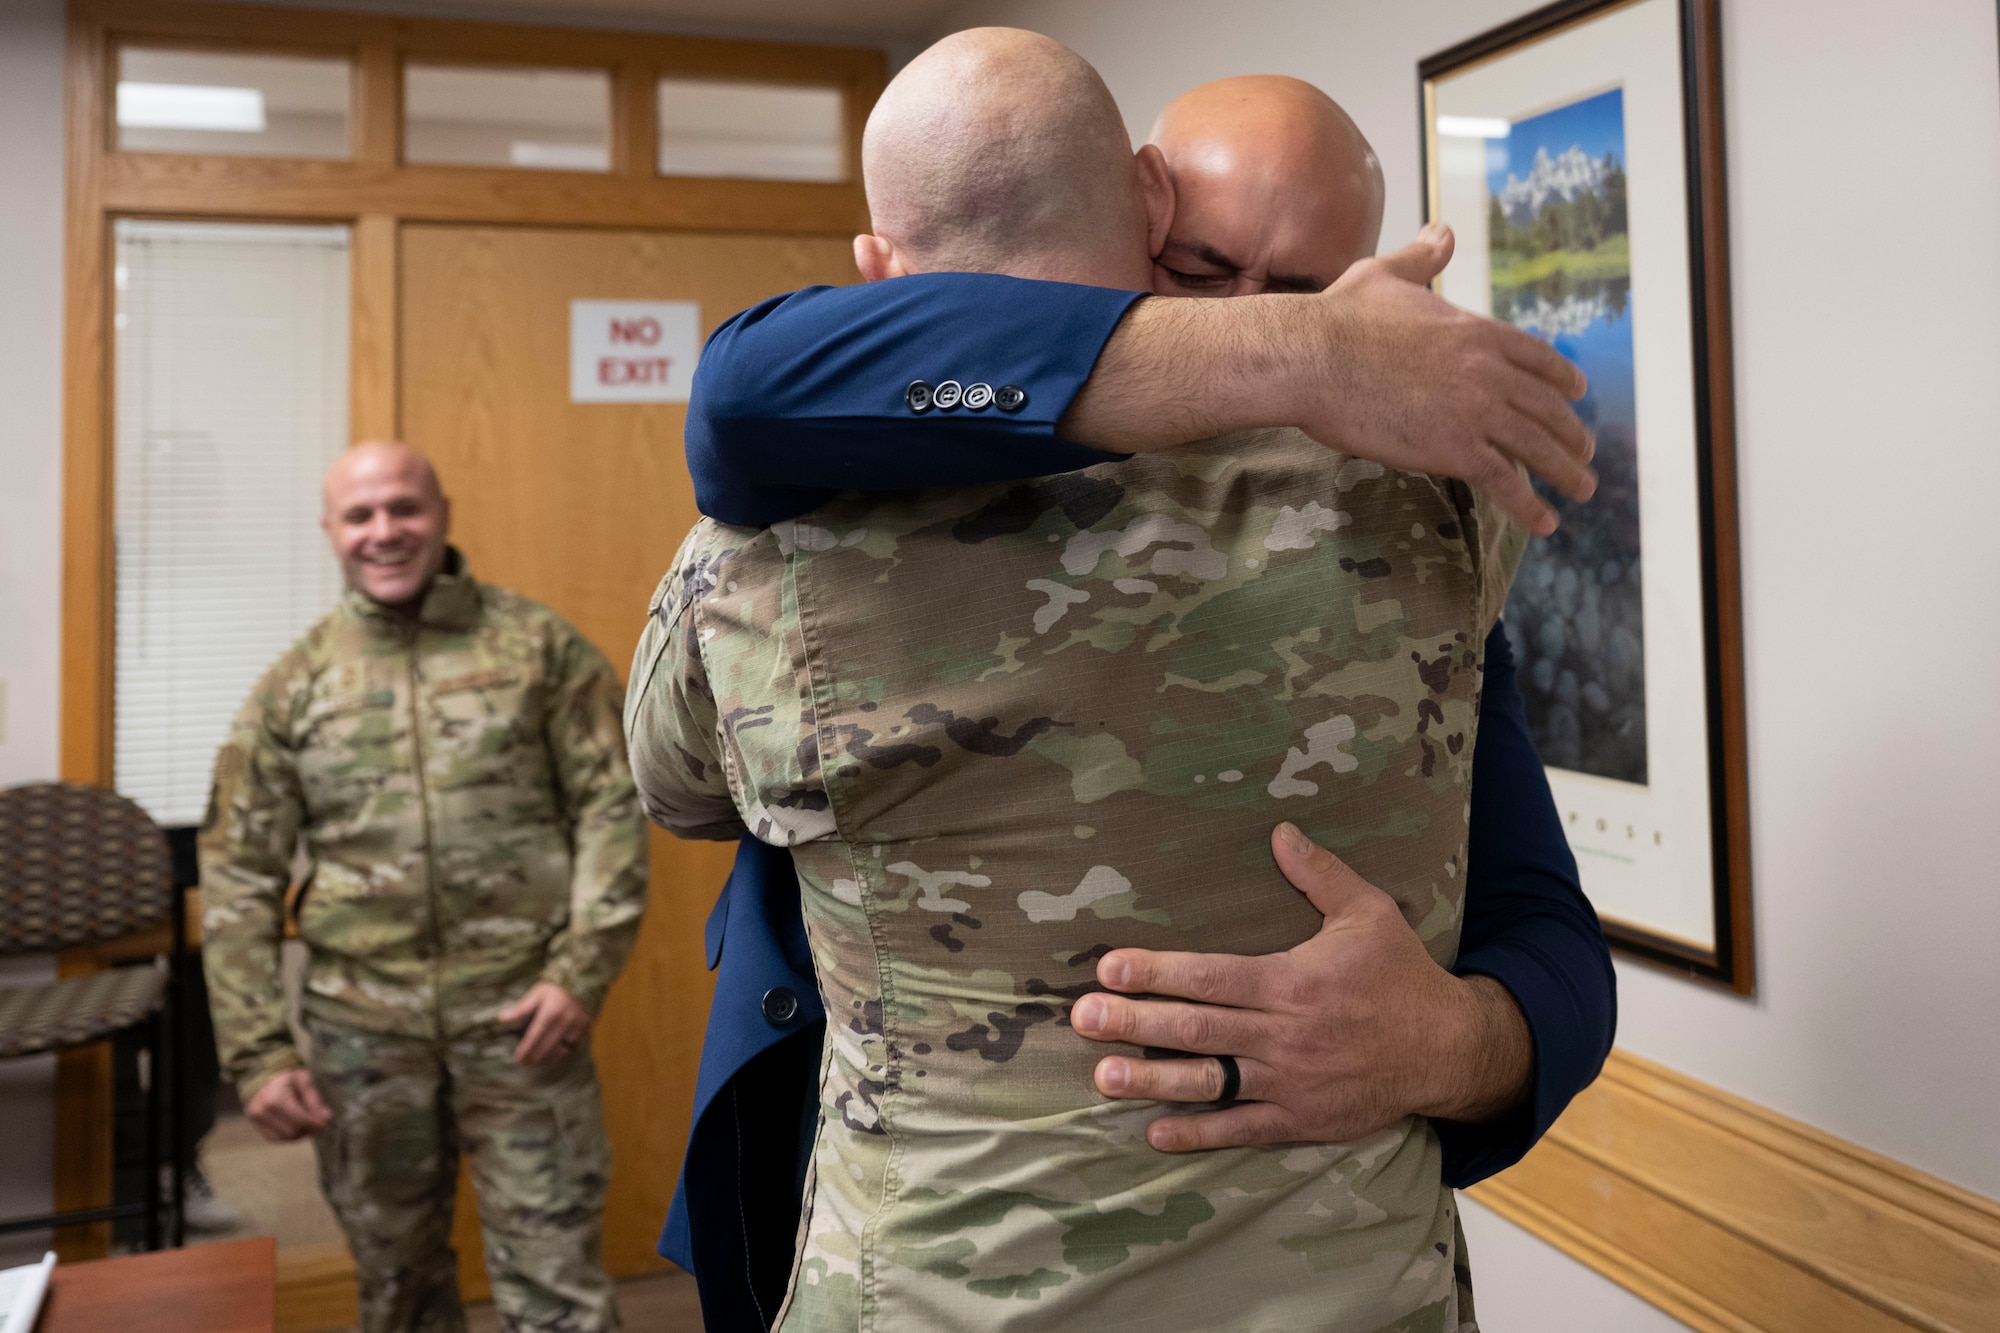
x=1006, y=730
x=448, y=755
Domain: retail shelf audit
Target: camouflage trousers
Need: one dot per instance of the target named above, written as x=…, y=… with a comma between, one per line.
x=403, y=1108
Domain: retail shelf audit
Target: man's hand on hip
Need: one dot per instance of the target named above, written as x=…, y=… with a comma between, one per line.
x=556, y=1023
x=287, y=1106
x=1376, y=366
x=1335, y=1039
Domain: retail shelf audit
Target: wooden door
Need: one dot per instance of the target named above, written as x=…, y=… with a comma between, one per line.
x=581, y=506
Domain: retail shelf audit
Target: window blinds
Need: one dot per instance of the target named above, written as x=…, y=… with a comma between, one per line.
x=230, y=394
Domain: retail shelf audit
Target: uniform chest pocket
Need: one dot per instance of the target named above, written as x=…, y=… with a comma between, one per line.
x=351, y=739
x=497, y=679
x=484, y=728
x=353, y=717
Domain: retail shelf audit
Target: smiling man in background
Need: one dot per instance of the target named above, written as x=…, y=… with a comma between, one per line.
x=447, y=756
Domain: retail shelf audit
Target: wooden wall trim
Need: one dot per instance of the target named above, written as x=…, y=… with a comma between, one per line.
x=373, y=373
x=1732, y=1217
x=83, y=1156
x=192, y=185
x=87, y=572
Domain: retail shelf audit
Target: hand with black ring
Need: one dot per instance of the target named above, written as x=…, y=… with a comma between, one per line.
x=1333, y=1040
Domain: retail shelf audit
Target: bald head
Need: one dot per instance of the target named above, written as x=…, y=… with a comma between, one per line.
x=1276, y=189
x=1001, y=151
x=387, y=519
x=378, y=460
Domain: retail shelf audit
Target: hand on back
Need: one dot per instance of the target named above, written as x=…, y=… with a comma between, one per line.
x=1342, y=1036
x=1414, y=383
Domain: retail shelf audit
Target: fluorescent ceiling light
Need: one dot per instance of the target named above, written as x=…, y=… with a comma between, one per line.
x=1474, y=127
x=189, y=106
x=560, y=156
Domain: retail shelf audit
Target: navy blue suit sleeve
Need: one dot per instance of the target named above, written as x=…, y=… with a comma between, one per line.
x=1529, y=927
x=802, y=396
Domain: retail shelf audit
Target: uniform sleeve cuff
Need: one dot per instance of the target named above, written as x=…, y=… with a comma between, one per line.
x=280, y=1060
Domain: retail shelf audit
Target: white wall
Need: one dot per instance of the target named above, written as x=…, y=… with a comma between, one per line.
x=31, y=241
x=31, y=219
x=1864, y=182
x=1521, y=1285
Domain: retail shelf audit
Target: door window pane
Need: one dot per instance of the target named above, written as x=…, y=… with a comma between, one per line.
x=474, y=116
x=230, y=398
x=752, y=131
x=171, y=101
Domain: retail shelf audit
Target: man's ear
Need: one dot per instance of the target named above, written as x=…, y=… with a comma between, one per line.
x=1156, y=190
x=877, y=259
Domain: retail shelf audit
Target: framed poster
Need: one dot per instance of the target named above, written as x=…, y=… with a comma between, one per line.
x=1576, y=152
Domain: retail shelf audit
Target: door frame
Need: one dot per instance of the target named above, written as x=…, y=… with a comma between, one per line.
x=375, y=193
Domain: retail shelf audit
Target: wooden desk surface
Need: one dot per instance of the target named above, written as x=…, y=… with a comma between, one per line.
x=227, y=1287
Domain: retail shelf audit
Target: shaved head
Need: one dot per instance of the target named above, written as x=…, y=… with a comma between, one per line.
x=377, y=459
x=388, y=520
x=996, y=150
x=1276, y=188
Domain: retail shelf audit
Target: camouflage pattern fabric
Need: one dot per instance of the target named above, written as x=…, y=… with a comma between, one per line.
x=1005, y=730
x=403, y=1108
x=460, y=785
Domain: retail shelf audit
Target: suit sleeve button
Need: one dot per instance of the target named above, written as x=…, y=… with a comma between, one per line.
x=780, y=1006
x=947, y=395
x=1010, y=398
x=918, y=396
x=978, y=397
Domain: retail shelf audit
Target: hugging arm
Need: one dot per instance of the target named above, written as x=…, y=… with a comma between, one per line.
x=805, y=395
x=1528, y=927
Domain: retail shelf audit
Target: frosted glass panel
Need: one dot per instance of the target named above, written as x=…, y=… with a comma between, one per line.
x=171, y=101
x=751, y=131
x=488, y=116
x=230, y=401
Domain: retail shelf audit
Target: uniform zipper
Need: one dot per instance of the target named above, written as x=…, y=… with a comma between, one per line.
x=430, y=834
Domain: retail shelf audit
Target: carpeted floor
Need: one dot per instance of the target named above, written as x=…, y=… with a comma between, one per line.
x=275, y=1186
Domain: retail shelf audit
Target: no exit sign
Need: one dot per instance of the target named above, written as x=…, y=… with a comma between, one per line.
x=632, y=351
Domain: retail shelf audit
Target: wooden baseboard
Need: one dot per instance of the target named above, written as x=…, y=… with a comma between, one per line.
x=1729, y=1216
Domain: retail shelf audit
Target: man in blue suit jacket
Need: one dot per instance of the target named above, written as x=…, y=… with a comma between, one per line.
x=831, y=389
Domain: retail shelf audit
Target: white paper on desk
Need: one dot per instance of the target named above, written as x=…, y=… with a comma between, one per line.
x=21, y=1291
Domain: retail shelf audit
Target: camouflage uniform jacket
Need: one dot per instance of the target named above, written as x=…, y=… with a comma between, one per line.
x=1005, y=730
x=460, y=784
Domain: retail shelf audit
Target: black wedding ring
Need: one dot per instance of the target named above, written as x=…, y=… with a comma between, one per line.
x=1232, y=1078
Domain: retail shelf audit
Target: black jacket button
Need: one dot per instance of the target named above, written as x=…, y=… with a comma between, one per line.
x=1010, y=398
x=780, y=1006
x=918, y=396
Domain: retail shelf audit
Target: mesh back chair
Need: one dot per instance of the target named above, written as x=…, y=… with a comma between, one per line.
x=81, y=865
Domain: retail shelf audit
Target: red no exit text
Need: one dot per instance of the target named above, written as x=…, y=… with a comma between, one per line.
x=633, y=370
